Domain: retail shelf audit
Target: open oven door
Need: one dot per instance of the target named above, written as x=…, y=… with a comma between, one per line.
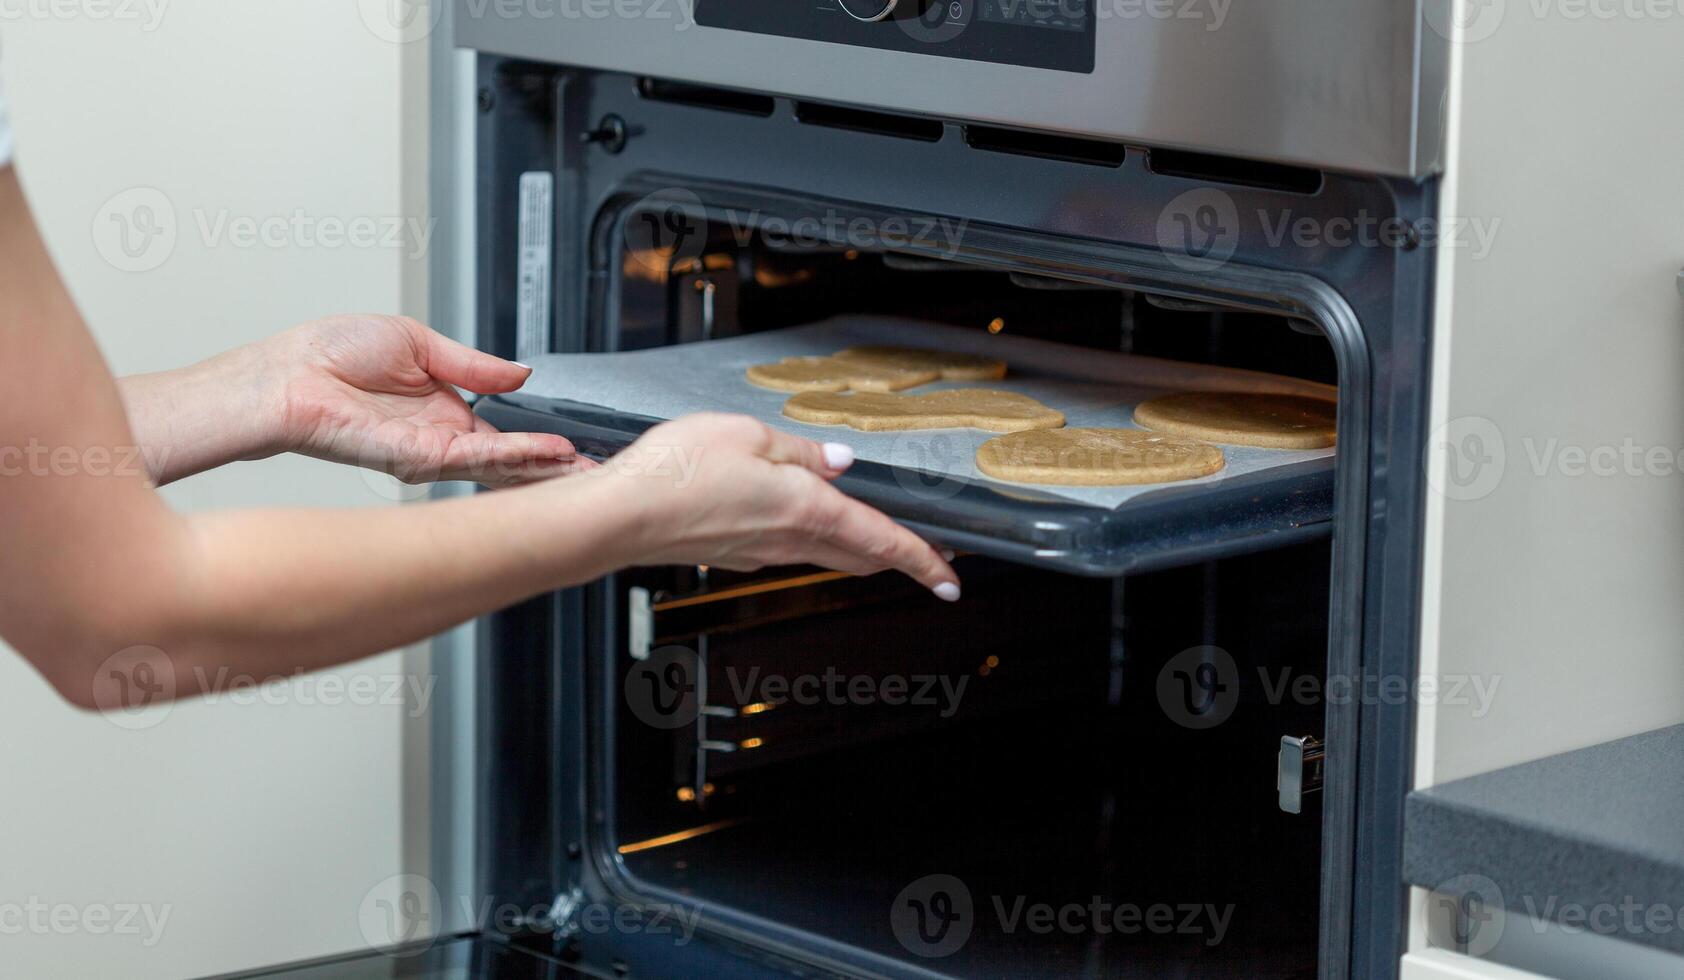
x=452, y=958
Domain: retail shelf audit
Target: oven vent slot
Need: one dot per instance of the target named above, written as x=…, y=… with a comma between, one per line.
x=865, y=121
x=705, y=97
x=1067, y=148
x=1233, y=170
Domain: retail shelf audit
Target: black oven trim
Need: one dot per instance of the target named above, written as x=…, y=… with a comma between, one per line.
x=530, y=720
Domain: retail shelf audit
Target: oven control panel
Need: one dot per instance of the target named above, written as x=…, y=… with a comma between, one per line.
x=1053, y=34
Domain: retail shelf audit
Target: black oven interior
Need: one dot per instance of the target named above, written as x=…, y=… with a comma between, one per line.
x=746, y=279
x=797, y=749
x=1035, y=743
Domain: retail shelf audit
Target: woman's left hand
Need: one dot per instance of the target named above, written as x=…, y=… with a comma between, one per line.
x=380, y=392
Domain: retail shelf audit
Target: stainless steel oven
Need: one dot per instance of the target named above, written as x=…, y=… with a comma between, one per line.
x=1051, y=753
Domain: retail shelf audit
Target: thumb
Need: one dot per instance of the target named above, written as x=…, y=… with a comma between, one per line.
x=477, y=371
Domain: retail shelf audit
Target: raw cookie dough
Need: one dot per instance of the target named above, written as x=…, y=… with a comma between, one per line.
x=960, y=408
x=1096, y=457
x=836, y=374
x=951, y=366
x=1269, y=421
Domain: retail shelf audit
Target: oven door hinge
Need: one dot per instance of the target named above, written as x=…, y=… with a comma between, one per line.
x=1298, y=770
x=563, y=915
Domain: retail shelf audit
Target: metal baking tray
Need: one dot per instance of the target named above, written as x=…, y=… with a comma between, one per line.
x=928, y=478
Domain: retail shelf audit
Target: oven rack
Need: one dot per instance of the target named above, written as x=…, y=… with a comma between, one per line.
x=928, y=480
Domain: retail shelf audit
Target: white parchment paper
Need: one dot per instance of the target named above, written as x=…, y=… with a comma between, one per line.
x=1092, y=388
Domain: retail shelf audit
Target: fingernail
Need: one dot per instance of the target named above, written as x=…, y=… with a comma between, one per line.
x=947, y=554
x=947, y=591
x=838, y=456
x=520, y=365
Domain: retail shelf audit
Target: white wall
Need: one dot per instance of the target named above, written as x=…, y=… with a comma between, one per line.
x=257, y=828
x=1558, y=582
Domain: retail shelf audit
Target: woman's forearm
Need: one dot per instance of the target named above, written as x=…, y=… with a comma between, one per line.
x=197, y=418
x=267, y=593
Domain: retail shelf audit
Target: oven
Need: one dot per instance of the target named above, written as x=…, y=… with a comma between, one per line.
x=1145, y=742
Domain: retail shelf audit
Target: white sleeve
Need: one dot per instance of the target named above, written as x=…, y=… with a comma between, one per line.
x=5, y=134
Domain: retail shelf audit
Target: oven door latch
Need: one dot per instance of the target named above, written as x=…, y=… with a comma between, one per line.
x=640, y=623
x=1298, y=770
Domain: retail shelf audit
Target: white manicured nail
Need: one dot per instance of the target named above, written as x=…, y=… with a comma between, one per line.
x=520, y=365
x=838, y=456
x=947, y=554
x=947, y=591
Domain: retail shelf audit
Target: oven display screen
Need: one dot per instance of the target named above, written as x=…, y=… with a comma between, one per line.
x=1053, y=34
x=1063, y=15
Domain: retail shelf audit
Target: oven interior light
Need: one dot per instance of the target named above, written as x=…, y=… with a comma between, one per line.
x=677, y=837
x=997, y=324
x=757, y=708
x=751, y=743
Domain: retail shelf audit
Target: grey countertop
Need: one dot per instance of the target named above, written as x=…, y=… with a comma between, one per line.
x=1592, y=838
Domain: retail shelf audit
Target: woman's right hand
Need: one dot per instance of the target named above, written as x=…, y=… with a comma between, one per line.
x=730, y=491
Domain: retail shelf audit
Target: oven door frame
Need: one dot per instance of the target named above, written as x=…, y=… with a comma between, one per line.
x=538, y=799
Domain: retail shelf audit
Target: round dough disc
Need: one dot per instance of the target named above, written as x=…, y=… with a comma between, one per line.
x=959, y=408
x=950, y=365
x=1269, y=421
x=1096, y=457
x=836, y=374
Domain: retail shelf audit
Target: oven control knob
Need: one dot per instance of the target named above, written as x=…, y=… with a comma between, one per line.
x=870, y=10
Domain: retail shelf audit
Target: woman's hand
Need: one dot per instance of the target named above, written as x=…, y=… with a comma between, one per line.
x=373, y=391
x=727, y=490
x=380, y=392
